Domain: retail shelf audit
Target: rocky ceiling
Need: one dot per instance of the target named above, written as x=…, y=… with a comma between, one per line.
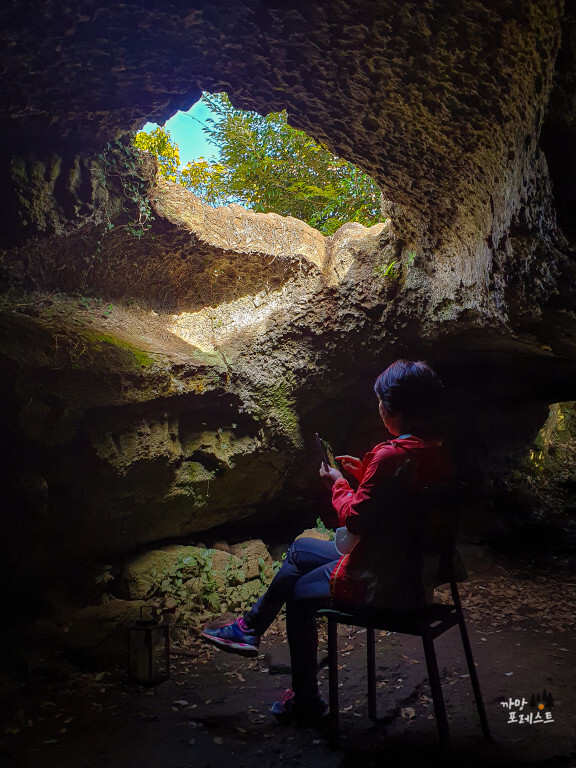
x=443, y=103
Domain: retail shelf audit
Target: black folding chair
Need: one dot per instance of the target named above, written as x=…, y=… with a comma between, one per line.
x=425, y=526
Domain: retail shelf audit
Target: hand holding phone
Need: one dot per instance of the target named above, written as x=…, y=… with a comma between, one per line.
x=325, y=452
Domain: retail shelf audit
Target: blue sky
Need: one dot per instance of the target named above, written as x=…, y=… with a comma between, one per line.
x=186, y=130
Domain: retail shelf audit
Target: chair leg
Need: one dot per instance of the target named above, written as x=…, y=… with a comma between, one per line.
x=436, y=686
x=474, y=679
x=470, y=661
x=333, y=680
x=371, y=664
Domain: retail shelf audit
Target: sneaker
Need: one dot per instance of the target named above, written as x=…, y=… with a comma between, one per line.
x=287, y=710
x=234, y=637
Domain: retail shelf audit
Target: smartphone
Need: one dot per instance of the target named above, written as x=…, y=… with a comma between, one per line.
x=325, y=452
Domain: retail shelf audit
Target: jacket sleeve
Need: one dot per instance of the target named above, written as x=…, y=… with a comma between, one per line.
x=357, y=508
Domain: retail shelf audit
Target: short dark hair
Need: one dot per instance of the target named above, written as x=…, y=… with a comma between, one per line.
x=414, y=390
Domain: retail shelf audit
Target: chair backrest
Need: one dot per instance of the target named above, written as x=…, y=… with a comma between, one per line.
x=417, y=536
x=430, y=518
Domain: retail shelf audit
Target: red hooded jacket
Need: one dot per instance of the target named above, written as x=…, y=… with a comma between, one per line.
x=378, y=569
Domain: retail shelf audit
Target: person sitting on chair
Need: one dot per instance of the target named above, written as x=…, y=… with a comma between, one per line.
x=316, y=574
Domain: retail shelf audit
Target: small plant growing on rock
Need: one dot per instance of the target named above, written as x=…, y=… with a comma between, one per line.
x=188, y=585
x=105, y=576
x=119, y=166
x=196, y=590
x=323, y=529
x=411, y=258
x=388, y=270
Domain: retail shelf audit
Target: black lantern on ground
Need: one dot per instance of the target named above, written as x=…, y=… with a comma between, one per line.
x=149, y=648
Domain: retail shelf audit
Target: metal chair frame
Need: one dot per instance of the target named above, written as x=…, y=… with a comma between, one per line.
x=427, y=622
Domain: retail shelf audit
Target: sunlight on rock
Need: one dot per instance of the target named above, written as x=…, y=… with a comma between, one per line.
x=212, y=327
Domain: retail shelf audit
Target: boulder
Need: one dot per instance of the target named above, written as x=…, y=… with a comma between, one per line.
x=314, y=533
x=143, y=576
x=251, y=553
x=98, y=634
x=138, y=573
x=222, y=562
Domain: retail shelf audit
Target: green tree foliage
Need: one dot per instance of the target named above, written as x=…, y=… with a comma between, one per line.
x=160, y=144
x=267, y=166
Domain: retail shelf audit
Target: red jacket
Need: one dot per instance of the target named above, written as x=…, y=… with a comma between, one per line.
x=378, y=569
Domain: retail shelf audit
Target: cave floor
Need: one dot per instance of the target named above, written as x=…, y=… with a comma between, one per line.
x=214, y=710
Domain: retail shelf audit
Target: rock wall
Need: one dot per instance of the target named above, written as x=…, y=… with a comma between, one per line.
x=141, y=424
x=127, y=425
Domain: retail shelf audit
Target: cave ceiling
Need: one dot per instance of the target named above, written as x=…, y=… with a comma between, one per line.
x=464, y=112
x=442, y=103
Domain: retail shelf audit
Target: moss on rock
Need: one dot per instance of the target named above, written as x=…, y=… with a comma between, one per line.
x=133, y=356
x=279, y=405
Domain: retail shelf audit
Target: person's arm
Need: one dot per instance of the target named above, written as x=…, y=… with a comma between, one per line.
x=357, y=508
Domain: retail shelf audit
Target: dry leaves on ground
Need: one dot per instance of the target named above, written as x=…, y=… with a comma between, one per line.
x=510, y=597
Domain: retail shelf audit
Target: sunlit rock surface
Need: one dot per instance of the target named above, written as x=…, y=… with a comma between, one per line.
x=144, y=424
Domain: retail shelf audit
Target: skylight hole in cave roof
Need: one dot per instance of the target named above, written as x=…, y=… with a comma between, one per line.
x=261, y=163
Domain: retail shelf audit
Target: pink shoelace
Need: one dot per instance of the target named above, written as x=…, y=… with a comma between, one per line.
x=288, y=695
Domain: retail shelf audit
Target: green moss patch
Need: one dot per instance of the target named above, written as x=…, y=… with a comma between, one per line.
x=136, y=356
x=278, y=401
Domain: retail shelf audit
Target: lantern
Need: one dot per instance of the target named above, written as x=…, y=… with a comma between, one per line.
x=148, y=648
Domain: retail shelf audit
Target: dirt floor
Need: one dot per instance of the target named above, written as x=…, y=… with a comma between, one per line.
x=214, y=711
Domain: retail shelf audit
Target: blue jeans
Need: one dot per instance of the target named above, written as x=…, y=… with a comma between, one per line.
x=303, y=583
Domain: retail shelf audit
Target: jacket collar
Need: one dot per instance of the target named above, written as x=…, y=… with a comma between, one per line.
x=408, y=442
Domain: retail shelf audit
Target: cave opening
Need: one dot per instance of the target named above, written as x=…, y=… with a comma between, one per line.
x=261, y=163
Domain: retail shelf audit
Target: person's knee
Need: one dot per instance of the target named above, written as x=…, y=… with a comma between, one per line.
x=304, y=544
x=297, y=546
